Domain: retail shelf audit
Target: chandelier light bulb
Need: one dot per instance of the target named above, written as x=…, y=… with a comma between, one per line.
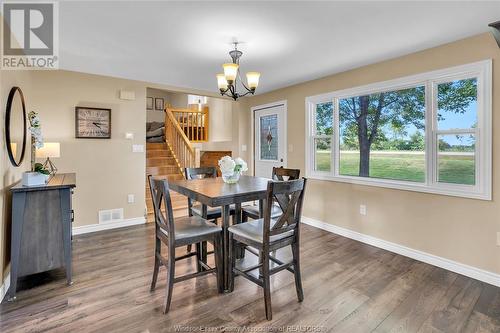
x=253, y=80
x=221, y=81
x=230, y=72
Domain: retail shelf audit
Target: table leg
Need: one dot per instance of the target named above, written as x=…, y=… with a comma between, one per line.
x=225, y=240
x=261, y=208
x=240, y=251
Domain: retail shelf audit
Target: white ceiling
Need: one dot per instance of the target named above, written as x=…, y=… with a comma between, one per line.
x=184, y=43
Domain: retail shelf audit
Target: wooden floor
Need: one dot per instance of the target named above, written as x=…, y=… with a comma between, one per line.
x=349, y=287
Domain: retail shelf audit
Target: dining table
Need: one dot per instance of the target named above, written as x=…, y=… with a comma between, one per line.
x=214, y=192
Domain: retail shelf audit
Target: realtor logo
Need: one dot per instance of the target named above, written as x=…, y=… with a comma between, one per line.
x=30, y=35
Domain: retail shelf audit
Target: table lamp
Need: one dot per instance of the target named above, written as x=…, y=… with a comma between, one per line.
x=49, y=149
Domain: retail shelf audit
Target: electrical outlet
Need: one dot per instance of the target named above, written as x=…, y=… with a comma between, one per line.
x=362, y=209
x=498, y=238
x=131, y=198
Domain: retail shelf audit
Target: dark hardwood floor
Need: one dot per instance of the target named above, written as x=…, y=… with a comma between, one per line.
x=349, y=287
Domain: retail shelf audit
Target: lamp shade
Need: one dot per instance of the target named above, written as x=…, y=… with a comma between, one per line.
x=49, y=149
x=253, y=79
x=230, y=72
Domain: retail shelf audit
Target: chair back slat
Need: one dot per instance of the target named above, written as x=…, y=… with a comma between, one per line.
x=289, y=195
x=282, y=174
x=160, y=195
x=199, y=173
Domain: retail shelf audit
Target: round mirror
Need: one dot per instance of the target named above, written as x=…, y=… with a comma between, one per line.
x=15, y=126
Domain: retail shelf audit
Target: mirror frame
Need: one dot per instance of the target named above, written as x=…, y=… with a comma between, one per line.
x=8, y=141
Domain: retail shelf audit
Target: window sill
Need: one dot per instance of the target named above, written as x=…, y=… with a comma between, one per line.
x=462, y=191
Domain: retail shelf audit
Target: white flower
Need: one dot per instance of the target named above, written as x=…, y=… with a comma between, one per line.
x=227, y=165
x=243, y=165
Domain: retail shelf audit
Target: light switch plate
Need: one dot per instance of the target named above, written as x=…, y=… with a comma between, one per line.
x=130, y=198
x=138, y=148
x=290, y=148
x=129, y=136
x=243, y=147
x=362, y=209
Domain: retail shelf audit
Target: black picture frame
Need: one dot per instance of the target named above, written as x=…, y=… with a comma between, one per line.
x=149, y=103
x=159, y=104
x=81, y=108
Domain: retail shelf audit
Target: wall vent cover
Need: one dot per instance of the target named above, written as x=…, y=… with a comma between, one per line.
x=110, y=215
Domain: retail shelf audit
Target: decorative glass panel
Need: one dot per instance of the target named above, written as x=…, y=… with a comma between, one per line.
x=456, y=159
x=323, y=154
x=269, y=137
x=382, y=135
x=457, y=104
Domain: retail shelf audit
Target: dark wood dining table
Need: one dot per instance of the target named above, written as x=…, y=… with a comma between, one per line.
x=214, y=192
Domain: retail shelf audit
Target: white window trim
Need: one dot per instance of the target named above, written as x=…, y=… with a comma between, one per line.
x=482, y=70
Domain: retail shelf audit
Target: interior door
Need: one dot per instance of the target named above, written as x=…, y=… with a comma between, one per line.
x=270, y=139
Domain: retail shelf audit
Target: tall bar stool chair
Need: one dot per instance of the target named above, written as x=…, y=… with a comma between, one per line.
x=279, y=174
x=268, y=234
x=196, y=209
x=181, y=232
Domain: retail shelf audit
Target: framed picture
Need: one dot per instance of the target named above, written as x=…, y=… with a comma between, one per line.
x=149, y=103
x=92, y=123
x=159, y=104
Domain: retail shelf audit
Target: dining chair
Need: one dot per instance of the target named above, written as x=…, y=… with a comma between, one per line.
x=195, y=209
x=270, y=234
x=181, y=232
x=278, y=174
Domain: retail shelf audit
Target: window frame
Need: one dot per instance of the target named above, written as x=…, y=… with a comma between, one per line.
x=481, y=70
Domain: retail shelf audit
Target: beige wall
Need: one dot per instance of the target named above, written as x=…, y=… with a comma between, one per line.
x=156, y=115
x=463, y=230
x=107, y=170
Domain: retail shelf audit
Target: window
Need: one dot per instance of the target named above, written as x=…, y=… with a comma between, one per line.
x=429, y=132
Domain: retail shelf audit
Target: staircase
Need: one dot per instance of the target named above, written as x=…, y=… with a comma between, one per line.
x=161, y=163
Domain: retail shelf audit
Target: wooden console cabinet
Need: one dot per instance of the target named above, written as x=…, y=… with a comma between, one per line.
x=41, y=228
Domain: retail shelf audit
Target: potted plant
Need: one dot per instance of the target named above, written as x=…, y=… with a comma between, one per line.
x=38, y=174
x=231, y=169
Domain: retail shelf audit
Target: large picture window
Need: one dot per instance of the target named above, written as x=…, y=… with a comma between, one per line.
x=429, y=132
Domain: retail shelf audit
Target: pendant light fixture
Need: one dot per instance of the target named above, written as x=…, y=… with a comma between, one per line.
x=228, y=81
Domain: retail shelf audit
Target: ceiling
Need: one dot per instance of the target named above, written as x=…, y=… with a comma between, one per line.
x=183, y=44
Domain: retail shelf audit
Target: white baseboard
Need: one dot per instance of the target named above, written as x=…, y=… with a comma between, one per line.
x=4, y=288
x=85, y=229
x=470, y=271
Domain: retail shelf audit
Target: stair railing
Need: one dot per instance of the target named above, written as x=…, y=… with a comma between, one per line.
x=194, y=123
x=181, y=147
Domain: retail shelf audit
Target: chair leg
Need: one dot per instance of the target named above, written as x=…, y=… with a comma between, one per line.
x=198, y=257
x=204, y=253
x=156, y=264
x=267, y=285
x=170, y=278
x=218, y=262
x=232, y=261
x=296, y=269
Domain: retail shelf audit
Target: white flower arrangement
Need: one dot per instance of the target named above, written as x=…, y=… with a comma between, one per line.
x=232, y=168
x=229, y=166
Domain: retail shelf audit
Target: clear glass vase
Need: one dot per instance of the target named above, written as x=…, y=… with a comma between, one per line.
x=231, y=178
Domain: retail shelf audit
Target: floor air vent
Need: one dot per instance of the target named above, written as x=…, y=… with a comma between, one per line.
x=110, y=215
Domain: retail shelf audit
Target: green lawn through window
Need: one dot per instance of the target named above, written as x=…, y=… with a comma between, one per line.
x=408, y=166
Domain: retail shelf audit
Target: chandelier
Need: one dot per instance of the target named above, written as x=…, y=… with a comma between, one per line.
x=227, y=82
